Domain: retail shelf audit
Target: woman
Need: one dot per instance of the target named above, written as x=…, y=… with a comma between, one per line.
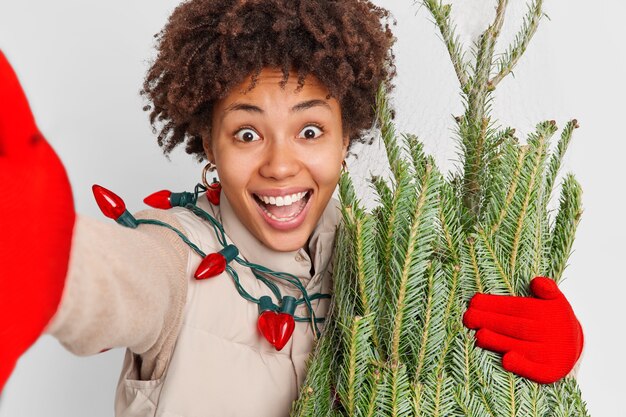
x=272, y=94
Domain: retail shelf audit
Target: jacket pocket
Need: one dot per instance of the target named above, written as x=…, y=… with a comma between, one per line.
x=134, y=397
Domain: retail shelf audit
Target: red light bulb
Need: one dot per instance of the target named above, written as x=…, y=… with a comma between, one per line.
x=265, y=324
x=110, y=203
x=160, y=199
x=277, y=327
x=285, y=328
x=213, y=264
x=113, y=206
x=213, y=193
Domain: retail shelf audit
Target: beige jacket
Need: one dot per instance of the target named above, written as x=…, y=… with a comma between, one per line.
x=193, y=346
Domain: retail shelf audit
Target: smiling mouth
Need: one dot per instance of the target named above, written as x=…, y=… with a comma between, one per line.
x=281, y=210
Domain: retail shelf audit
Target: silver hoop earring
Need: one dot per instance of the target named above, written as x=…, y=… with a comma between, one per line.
x=209, y=167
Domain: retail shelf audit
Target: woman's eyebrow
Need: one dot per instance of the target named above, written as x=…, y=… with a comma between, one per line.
x=251, y=108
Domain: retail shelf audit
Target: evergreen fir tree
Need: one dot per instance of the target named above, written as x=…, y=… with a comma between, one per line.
x=394, y=343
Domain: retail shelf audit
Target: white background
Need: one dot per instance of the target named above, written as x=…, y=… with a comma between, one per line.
x=82, y=65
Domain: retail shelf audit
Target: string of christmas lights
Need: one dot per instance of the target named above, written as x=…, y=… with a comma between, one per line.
x=276, y=321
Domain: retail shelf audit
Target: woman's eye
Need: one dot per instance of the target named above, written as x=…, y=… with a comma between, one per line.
x=309, y=132
x=246, y=135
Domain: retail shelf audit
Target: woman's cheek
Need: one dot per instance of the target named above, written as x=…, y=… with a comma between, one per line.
x=325, y=166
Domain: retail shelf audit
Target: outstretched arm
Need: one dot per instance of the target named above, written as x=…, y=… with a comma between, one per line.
x=91, y=284
x=36, y=222
x=125, y=288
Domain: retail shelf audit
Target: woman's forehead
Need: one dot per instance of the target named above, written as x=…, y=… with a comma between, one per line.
x=267, y=89
x=272, y=74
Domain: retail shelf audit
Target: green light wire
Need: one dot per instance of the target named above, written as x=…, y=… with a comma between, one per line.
x=175, y=230
x=292, y=279
x=257, y=269
x=244, y=294
x=240, y=289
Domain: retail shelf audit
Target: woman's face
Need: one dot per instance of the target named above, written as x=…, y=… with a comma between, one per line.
x=278, y=156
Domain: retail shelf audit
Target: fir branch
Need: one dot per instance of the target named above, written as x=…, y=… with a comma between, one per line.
x=441, y=14
x=368, y=275
x=490, y=251
x=482, y=371
x=532, y=400
x=499, y=18
x=522, y=214
x=541, y=235
x=518, y=227
x=521, y=152
x=472, y=250
x=512, y=392
x=460, y=361
x=418, y=157
x=452, y=297
x=492, y=384
x=393, y=221
x=559, y=397
x=439, y=337
x=356, y=359
x=418, y=390
x=437, y=396
x=372, y=404
x=485, y=399
x=315, y=398
x=567, y=219
x=522, y=39
x=575, y=395
x=394, y=241
x=474, y=161
x=421, y=357
x=394, y=215
x=447, y=234
x=557, y=157
x=468, y=404
x=443, y=397
x=474, y=124
x=347, y=195
x=383, y=192
x=395, y=389
x=484, y=58
x=383, y=119
x=413, y=261
x=532, y=213
x=346, y=286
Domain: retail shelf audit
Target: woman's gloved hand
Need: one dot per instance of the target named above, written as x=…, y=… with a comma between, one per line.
x=541, y=339
x=36, y=222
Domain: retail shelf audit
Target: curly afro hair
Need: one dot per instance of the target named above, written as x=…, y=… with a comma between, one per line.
x=209, y=46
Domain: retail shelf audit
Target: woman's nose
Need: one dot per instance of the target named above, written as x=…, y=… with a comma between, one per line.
x=280, y=161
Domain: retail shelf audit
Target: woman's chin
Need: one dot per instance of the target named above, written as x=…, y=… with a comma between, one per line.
x=286, y=242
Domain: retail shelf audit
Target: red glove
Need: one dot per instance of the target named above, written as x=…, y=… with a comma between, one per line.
x=36, y=223
x=540, y=337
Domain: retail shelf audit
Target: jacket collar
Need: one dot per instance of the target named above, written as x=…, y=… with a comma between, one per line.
x=320, y=245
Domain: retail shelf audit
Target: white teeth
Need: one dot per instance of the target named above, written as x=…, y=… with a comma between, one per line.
x=286, y=219
x=285, y=200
